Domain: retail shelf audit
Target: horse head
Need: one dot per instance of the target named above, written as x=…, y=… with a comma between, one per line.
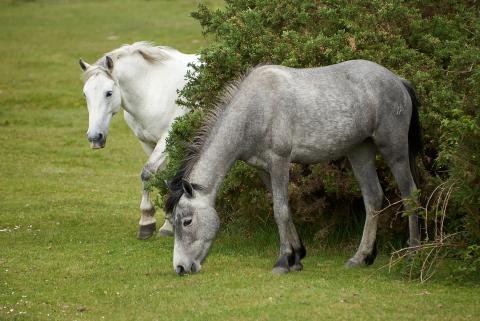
x=103, y=99
x=195, y=224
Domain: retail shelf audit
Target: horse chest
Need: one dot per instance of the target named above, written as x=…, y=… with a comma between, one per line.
x=141, y=132
x=146, y=137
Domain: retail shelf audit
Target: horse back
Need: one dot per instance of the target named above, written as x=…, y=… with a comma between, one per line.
x=318, y=114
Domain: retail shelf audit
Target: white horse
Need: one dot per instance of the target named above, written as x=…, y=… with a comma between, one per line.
x=144, y=80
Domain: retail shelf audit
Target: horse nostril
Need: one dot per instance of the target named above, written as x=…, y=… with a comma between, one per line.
x=95, y=137
x=180, y=270
x=193, y=268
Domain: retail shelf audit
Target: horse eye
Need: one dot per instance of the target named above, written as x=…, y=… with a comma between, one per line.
x=187, y=222
x=109, y=93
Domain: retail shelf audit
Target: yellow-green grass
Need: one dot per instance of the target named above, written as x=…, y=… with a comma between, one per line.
x=68, y=215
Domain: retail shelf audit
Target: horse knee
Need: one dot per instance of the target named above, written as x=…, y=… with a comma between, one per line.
x=147, y=173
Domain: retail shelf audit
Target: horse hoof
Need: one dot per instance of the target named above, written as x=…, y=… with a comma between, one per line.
x=146, y=231
x=165, y=233
x=278, y=270
x=296, y=267
x=352, y=264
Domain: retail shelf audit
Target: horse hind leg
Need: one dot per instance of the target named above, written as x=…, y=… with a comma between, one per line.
x=397, y=158
x=362, y=160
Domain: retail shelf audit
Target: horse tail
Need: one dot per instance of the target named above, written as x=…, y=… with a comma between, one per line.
x=415, y=142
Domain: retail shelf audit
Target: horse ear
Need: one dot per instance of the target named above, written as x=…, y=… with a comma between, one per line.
x=109, y=63
x=187, y=188
x=83, y=64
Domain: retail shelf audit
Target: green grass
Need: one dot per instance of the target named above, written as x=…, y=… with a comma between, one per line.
x=68, y=215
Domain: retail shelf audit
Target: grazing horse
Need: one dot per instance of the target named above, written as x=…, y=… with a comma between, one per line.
x=278, y=115
x=144, y=80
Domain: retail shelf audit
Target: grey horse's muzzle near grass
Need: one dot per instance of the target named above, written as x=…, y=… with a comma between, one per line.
x=182, y=270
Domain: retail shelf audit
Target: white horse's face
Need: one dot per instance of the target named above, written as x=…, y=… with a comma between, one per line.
x=103, y=101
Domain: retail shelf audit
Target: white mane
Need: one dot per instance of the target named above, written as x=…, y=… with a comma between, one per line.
x=147, y=50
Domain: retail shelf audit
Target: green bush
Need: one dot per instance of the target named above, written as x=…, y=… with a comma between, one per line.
x=465, y=175
x=471, y=260
x=433, y=43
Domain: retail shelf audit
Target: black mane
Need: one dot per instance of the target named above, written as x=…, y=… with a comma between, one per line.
x=175, y=185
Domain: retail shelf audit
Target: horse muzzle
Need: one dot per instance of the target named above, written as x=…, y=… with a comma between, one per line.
x=97, y=141
x=182, y=270
x=97, y=145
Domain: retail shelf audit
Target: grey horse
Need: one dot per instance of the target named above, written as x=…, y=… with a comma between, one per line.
x=276, y=115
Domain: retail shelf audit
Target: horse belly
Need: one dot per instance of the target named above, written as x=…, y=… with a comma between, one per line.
x=321, y=151
x=327, y=137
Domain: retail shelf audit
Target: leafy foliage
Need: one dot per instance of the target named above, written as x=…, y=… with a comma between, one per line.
x=433, y=43
x=471, y=260
x=466, y=171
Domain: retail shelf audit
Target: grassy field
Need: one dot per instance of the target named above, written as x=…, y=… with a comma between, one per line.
x=68, y=215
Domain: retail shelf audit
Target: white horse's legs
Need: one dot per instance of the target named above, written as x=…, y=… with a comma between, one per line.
x=156, y=161
x=147, y=220
x=291, y=247
x=362, y=159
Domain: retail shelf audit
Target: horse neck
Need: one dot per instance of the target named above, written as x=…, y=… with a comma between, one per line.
x=218, y=154
x=141, y=81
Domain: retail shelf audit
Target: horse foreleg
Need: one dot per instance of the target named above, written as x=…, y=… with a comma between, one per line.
x=156, y=161
x=291, y=247
x=147, y=220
